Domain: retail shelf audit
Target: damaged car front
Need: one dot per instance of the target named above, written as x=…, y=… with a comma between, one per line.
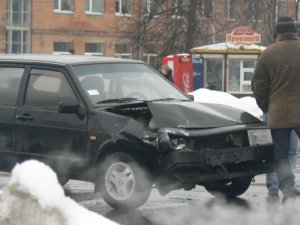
x=149, y=133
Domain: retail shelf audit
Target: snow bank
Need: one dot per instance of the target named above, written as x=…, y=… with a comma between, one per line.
x=218, y=97
x=34, y=196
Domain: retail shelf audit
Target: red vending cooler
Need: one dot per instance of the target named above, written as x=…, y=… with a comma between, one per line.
x=182, y=66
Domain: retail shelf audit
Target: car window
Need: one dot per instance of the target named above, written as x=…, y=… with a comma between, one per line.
x=124, y=80
x=47, y=88
x=10, y=79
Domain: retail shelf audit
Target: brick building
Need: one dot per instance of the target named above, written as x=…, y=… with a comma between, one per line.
x=92, y=26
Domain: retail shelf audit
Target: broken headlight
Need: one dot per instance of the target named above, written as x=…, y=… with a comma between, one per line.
x=170, y=143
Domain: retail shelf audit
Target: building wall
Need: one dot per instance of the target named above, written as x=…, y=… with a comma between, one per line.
x=2, y=26
x=78, y=27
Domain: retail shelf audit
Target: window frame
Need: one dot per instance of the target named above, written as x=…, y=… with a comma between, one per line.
x=229, y=4
x=255, y=12
x=204, y=9
x=123, y=54
x=16, y=97
x=67, y=52
x=119, y=8
x=94, y=53
x=90, y=11
x=63, y=77
x=242, y=71
x=59, y=4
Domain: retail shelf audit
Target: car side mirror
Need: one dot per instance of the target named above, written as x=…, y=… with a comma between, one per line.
x=71, y=106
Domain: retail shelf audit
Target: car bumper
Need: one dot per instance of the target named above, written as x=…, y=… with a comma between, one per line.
x=217, y=164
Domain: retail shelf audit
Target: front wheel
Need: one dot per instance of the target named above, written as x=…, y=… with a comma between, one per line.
x=122, y=181
x=229, y=189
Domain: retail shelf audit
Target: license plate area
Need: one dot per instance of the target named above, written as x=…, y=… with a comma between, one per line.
x=259, y=137
x=230, y=156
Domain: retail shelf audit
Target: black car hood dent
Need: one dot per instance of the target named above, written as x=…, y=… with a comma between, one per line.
x=197, y=115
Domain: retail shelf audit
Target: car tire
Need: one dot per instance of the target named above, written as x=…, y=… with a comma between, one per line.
x=123, y=183
x=230, y=189
x=63, y=179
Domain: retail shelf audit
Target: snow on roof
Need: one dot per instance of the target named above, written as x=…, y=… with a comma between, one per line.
x=229, y=45
x=34, y=196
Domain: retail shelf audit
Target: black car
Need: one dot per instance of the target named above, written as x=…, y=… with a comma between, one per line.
x=120, y=124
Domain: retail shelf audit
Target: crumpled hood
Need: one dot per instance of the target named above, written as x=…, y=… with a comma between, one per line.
x=197, y=115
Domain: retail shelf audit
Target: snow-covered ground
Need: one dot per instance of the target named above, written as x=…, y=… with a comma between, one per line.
x=33, y=196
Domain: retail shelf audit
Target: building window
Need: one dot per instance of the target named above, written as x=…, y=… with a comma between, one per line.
x=63, y=5
x=94, y=6
x=257, y=11
x=283, y=8
x=10, y=79
x=207, y=9
x=51, y=86
x=124, y=7
x=18, y=26
x=18, y=13
x=93, y=49
x=240, y=73
x=17, y=41
x=214, y=74
x=151, y=7
x=151, y=59
x=231, y=9
x=62, y=48
x=123, y=51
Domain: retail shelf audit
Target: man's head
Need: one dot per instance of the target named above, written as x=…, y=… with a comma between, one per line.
x=284, y=25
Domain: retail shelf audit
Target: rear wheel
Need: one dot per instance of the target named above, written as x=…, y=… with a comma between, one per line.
x=122, y=181
x=229, y=189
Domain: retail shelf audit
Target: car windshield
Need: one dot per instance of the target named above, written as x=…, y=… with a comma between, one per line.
x=124, y=82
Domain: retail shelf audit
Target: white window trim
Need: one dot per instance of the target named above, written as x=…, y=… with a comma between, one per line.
x=93, y=54
x=242, y=80
x=120, y=8
x=62, y=53
x=59, y=10
x=148, y=9
x=90, y=12
x=212, y=11
x=119, y=55
x=253, y=19
x=221, y=59
x=228, y=6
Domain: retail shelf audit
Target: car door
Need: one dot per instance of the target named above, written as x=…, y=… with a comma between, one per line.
x=42, y=133
x=10, y=79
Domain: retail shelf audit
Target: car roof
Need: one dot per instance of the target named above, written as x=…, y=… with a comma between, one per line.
x=61, y=59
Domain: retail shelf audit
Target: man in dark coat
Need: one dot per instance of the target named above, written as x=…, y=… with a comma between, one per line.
x=275, y=84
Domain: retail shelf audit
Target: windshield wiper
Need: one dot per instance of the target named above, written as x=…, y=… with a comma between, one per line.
x=117, y=100
x=169, y=99
x=163, y=99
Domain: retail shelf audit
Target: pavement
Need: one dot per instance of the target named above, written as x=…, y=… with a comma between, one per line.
x=260, y=180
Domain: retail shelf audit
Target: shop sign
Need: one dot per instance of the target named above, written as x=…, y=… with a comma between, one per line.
x=243, y=35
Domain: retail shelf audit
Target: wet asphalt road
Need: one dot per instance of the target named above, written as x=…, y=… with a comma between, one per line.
x=189, y=207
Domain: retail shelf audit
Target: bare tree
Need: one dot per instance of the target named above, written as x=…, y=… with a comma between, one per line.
x=175, y=26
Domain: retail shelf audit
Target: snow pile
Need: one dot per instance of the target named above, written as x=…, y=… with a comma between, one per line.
x=218, y=97
x=34, y=196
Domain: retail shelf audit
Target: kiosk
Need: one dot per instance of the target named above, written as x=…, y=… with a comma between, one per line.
x=228, y=66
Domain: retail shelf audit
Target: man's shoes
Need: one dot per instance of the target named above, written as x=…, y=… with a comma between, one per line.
x=273, y=194
x=288, y=199
x=297, y=192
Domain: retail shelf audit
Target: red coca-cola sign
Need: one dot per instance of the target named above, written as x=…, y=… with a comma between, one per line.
x=243, y=35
